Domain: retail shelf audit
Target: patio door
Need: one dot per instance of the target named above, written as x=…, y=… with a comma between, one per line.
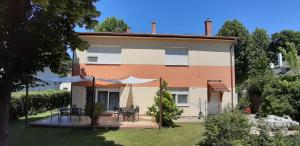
x=109, y=99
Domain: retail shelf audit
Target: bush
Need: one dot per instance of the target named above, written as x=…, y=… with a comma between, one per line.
x=98, y=109
x=38, y=102
x=228, y=128
x=281, y=97
x=170, y=110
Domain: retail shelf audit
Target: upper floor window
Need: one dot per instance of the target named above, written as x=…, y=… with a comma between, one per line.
x=104, y=55
x=176, y=56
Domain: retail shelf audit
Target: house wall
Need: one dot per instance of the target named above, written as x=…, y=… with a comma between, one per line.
x=145, y=58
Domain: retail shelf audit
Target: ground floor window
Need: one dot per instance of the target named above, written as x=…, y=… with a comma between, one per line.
x=110, y=99
x=180, y=96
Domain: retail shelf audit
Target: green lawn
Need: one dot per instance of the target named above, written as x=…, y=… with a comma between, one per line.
x=183, y=135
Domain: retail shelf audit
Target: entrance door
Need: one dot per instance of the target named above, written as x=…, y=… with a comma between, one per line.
x=110, y=100
x=214, y=105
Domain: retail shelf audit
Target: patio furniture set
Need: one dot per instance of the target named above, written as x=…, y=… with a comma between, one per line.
x=126, y=113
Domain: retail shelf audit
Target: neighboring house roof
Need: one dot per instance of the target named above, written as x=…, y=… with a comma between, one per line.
x=120, y=34
x=284, y=69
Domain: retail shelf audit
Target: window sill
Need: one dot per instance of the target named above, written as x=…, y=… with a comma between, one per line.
x=177, y=65
x=182, y=105
x=89, y=63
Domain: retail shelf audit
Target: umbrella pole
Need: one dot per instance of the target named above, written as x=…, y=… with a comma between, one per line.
x=93, y=101
x=160, y=103
x=26, y=105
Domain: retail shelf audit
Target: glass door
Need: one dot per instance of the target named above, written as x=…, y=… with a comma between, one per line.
x=103, y=98
x=114, y=100
x=110, y=100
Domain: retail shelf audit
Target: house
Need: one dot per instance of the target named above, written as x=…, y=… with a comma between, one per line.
x=199, y=70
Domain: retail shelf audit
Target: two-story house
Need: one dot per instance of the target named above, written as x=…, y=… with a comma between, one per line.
x=199, y=70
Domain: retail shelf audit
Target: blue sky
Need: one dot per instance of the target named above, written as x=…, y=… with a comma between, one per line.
x=187, y=16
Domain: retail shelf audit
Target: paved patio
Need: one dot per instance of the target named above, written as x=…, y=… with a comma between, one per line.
x=103, y=122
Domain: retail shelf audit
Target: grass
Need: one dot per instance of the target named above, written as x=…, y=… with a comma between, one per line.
x=184, y=134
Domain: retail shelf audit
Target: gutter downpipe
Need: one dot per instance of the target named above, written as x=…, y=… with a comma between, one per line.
x=231, y=72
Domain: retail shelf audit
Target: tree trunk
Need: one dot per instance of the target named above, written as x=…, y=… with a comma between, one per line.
x=4, y=116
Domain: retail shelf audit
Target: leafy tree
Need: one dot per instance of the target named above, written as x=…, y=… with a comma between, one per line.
x=170, y=110
x=33, y=35
x=111, y=25
x=280, y=39
x=291, y=57
x=257, y=56
x=235, y=28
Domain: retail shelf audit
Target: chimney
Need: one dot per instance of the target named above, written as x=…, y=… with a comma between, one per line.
x=208, y=27
x=128, y=29
x=279, y=57
x=153, y=27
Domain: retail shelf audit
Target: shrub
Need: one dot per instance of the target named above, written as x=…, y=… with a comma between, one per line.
x=98, y=109
x=228, y=128
x=170, y=110
x=281, y=97
x=38, y=102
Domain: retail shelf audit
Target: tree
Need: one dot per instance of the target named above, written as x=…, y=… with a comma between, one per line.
x=170, y=110
x=280, y=39
x=235, y=28
x=291, y=57
x=111, y=25
x=33, y=35
x=257, y=55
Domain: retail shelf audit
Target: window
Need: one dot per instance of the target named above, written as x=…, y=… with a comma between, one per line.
x=176, y=56
x=180, y=97
x=104, y=55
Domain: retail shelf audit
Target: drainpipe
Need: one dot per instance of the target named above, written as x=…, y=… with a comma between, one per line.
x=231, y=72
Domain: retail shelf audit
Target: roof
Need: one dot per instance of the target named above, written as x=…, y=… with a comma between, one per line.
x=148, y=35
x=218, y=87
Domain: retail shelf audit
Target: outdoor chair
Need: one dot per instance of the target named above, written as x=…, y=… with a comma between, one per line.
x=76, y=112
x=63, y=112
x=137, y=113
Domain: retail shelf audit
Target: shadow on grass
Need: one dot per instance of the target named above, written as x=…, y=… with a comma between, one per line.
x=36, y=136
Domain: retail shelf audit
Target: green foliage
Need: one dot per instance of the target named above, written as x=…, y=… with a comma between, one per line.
x=38, y=102
x=111, y=25
x=235, y=28
x=243, y=102
x=228, y=128
x=257, y=56
x=282, y=97
x=291, y=57
x=170, y=110
x=255, y=85
x=249, y=51
x=280, y=39
x=98, y=109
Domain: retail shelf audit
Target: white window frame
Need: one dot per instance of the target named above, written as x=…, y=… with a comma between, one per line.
x=176, y=62
x=99, y=55
x=181, y=93
x=108, y=90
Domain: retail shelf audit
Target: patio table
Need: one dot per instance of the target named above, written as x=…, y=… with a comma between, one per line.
x=66, y=111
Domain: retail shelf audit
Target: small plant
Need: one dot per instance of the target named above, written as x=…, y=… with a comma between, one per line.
x=98, y=110
x=244, y=102
x=170, y=110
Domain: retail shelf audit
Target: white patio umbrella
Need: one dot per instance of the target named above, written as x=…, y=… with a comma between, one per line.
x=128, y=81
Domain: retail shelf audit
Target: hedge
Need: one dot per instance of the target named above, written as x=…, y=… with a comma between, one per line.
x=38, y=102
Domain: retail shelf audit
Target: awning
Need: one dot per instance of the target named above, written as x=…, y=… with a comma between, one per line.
x=218, y=87
x=69, y=79
x=128, y=80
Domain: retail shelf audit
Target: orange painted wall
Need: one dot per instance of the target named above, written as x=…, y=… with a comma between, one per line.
x=176, y=76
